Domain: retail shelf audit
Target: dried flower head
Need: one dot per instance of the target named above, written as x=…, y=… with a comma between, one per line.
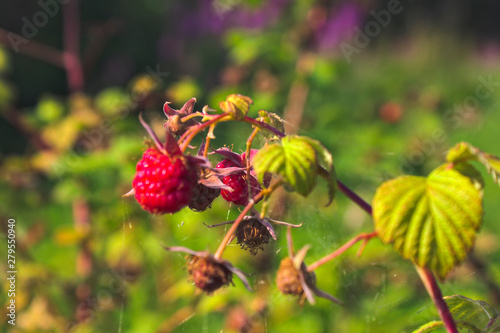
x=202, y=198
x=288, y=280
x=251, y=234
x=293, y=281
x=209, y=273
x=293, y=278
x=175, y=123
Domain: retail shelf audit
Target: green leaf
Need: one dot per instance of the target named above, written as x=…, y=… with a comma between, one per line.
x=49, y=109
x=325, y=159
x=111, y=101
x=236, y=105
x=294, y=160
x=432, y=221
x=461, y=152
x=464, y=151
x=326, y=168
x=429, y=327
x=298, y=160
x=272, y=119
x=477, y=316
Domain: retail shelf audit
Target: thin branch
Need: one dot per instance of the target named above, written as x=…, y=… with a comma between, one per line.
x=81, y=221
x=354, y=197
x=263, y=125
x=223, y=244
x=69, y=59
x=365, y=237
x=99, y=33
x=426, y=275
x=32, y=48
x=432, y=287
x=34, y=137
x=72, y=64
x=193, y=131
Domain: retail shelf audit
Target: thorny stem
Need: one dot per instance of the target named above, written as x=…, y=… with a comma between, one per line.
x=432, y=287
x=227, y=237
x=198, y=128
x=341, y=250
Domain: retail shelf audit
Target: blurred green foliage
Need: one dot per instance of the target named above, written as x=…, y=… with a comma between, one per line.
x=90, y=260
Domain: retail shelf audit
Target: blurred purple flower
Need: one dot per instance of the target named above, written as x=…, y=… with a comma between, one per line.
x=339, y=26
x=216, y=16
x=213, y=17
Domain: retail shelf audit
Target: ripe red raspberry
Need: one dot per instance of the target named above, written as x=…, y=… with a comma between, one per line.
x=163, y=184
x=238, y=182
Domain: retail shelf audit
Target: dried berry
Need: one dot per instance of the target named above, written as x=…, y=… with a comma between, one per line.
x=294, y=278
x=252, y=235
x=288, y=279
x=203, y=197
x=207, y=274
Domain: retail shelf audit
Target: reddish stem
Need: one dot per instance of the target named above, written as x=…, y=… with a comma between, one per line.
x=198, y=128
x=71, y=56
x=432, y=287
x=263, y=125
x=341, y=250
x=247, y=161
x=354, y=197
x=35, y=138
x=32, y=48
x=227, y=237
x=81, y=220
x=207, y=142
x=426, y=276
